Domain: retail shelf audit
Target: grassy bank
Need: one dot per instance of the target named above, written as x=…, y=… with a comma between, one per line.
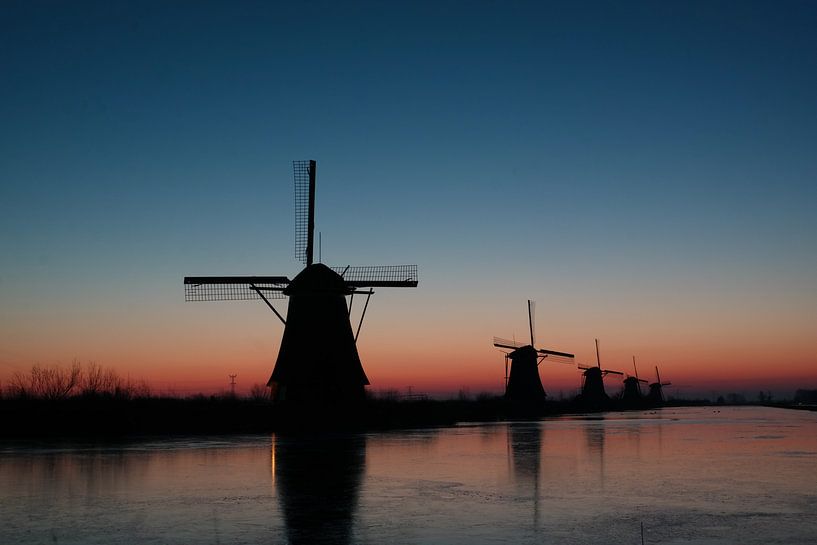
x=87, y=400
x=111, y=416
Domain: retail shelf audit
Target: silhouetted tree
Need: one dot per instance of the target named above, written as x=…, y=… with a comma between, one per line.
x=259, y=392
x=47, y=382
x=99, y=381
x=55, y=382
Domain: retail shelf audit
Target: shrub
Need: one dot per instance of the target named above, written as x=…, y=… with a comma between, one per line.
x=92, y=380
x=259, y=392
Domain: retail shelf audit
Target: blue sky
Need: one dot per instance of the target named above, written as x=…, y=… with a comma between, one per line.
x=604, y=158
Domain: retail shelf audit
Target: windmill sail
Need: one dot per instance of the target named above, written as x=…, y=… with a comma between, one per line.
x=233, y=288
x=304, y=174
x=553, y=355
x=388, y=276
x=241, y=288
x=499, y=342
x=532, y=321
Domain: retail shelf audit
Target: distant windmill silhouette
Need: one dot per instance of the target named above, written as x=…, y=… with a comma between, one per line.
x=593, y=394
x=631, y=395
x=656, y=394
x=523, y=382
x=318, y=360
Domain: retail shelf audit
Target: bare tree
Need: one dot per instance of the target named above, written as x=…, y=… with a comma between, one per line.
x=259, y=392
x=139, y=389
x=52, y=382
x=91, y=379
x=96, y=380
x=18, y=386
x=55, y=382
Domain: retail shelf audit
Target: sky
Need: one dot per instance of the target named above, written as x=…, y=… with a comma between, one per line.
x=644, y=171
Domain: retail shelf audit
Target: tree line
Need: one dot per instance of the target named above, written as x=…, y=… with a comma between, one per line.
x=53, y=382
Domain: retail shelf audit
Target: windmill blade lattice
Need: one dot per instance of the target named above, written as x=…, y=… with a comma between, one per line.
x=233, y=288
x=379, y=276
x=499, y=342
x=557, y=357
x=302, y=170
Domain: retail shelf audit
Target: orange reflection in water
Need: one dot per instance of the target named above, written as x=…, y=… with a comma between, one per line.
x=731, y=475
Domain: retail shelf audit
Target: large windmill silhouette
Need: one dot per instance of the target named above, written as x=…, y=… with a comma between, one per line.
x=318, y=361
x=523, y=382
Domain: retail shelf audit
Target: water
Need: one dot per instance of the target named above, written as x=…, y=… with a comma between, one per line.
x=696, y=475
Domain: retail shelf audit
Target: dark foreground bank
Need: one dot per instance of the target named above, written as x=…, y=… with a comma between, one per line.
x=112, y=417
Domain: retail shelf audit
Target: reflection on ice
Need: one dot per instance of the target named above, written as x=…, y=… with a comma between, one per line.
x=525, y=446
x=690, y=475
x=318, y=479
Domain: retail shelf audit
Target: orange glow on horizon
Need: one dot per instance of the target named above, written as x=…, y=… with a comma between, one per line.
x=197, y=348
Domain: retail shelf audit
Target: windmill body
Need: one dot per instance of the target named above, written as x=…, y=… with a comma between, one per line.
x=631, y=395
x=656, y=394
x=632, y=390
x=593, y=395
x=318, y=360
x=522, y=381
x=593, y=385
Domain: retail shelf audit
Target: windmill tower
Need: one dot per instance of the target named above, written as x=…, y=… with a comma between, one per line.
x=523, y=382
x=631, y=395
x=318, y=361
x=656, y=393
x=593, y=393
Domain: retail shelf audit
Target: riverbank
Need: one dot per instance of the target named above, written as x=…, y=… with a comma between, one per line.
x=108, y=416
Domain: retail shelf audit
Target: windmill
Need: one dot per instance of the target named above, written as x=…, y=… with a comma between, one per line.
x=318, y=359
x=593, y=393
x=656, y=393
x=523, y=382
x=631, y=395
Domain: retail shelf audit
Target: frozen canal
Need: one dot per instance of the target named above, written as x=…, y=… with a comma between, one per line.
x=692, y=475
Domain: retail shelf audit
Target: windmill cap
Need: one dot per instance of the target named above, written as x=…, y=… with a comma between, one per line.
x=524, y=351
x=317, y=279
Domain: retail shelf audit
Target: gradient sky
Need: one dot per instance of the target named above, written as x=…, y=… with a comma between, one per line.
x=644, y=171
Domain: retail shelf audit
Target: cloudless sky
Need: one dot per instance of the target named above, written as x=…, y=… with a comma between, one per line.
x=644, y=170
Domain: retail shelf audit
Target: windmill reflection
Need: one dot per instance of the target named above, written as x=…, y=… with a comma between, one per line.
x=525, y=450
x=594, y=433
x=317, y=480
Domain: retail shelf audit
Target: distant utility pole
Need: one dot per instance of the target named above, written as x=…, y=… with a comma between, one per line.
x=232, y=384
